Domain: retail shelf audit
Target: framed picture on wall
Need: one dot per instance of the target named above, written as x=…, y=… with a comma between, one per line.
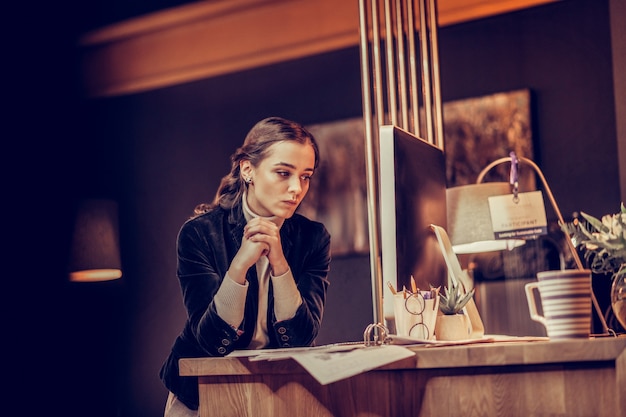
x=338, y=193
x=480, y=130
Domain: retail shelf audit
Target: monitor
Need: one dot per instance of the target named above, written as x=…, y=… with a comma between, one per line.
x=412, y=197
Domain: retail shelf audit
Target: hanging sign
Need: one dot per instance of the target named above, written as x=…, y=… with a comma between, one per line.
x=521, y=217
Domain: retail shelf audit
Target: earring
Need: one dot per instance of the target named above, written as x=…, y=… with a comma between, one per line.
x=248, y=180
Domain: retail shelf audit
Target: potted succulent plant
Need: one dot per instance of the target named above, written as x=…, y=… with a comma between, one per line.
x=453, y=323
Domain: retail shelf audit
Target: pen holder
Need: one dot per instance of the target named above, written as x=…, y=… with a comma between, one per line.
x=416, y=314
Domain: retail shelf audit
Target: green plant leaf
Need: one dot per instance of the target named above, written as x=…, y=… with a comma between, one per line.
x=597, y=224
x=453, y=299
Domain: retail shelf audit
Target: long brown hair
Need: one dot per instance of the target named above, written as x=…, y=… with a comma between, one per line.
x=254, y=149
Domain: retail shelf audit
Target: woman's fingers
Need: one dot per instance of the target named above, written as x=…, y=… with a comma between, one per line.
x=264, y=231
x=261, y=226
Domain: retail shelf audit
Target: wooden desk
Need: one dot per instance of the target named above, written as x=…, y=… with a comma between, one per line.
x=584, y=378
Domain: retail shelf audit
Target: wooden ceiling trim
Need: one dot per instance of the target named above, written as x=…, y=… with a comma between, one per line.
x=211, y=38
x=458, y=11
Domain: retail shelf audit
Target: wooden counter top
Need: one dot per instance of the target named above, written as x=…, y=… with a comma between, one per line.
x=540, y=378
x=472, y=355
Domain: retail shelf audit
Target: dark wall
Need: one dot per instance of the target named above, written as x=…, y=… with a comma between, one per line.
x=159, y=153
x=562, y=53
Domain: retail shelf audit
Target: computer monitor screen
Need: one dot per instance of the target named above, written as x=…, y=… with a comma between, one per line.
x=412, y=197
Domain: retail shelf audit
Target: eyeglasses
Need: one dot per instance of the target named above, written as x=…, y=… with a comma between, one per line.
x=415, y=304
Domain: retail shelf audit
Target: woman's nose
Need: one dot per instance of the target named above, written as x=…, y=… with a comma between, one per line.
x=295, y=185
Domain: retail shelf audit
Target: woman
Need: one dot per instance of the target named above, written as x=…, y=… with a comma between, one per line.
x=253, y=273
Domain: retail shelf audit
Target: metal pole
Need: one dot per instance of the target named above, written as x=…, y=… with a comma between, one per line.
x=413, y=62
x=402, y=87
x=371, y=168
x=376, y=62
x=436, y=88
x=426, y=86
x=392, y=103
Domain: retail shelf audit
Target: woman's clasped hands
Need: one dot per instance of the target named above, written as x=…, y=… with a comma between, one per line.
x=261, y=237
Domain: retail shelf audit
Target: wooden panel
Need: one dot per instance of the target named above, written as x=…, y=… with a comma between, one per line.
x=463, y=356
x=236, y=366
x=620, y=384
x=242, y=366
x=520, y=353
x=210, y=38
x=558, y=378
x=556, y=390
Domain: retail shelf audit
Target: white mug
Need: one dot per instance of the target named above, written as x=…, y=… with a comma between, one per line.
x=565, y=302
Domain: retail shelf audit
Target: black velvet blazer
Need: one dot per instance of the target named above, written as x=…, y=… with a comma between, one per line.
x=206, y=246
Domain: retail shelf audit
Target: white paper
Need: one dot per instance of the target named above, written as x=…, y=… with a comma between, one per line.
x=286, y=353
x=331, y=363
x=329, y=367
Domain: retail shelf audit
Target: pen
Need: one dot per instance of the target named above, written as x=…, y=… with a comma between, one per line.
x=435, y=293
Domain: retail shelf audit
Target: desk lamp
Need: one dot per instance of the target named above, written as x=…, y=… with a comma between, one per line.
x=95, y=251
x=469, y=218
x=465, y=205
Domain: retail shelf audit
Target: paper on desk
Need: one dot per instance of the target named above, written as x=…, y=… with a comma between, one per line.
x=331, y=363
x=328, y=367
x=287, y=353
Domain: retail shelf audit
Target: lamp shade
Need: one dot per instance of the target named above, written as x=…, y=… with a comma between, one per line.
x=95, y=251
x=469, y=218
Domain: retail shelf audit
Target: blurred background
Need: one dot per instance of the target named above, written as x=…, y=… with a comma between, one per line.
x=95, y=349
